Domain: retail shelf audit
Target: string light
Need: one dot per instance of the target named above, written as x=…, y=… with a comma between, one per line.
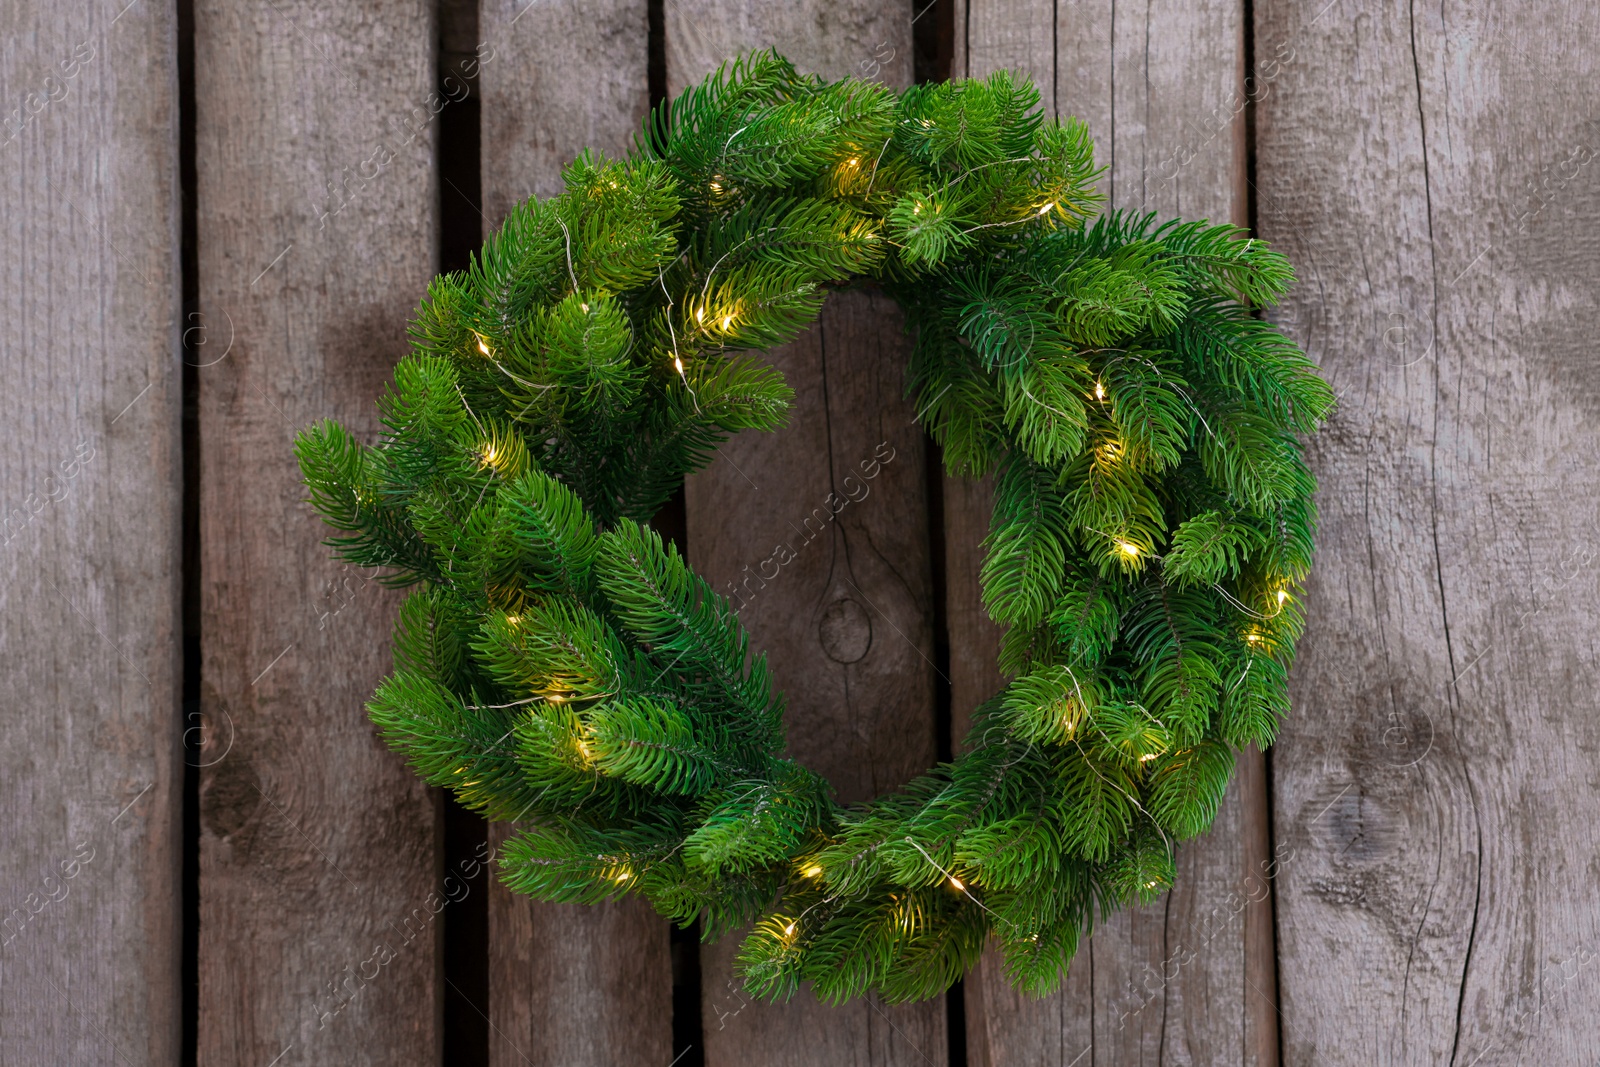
x=897, y=163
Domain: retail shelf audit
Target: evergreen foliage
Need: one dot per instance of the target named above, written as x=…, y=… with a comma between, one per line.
x=559, y=667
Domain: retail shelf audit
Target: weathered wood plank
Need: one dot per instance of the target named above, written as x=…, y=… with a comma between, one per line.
x=974, y=638
x=560, y=76
x=1160, y=90
x=568, y=985
x=1438, y=781
x=833, y=38
x=818, y=536
x=847, y=622
x=571, y=985
x=89, y=536
x=319, y=850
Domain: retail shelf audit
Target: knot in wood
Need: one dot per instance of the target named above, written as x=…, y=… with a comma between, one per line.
x=845, y=631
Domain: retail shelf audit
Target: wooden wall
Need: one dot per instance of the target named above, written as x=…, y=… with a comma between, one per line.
x=251, y=878
x=1431, y=173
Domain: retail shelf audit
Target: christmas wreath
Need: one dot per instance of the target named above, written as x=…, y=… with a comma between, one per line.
x=560, y=667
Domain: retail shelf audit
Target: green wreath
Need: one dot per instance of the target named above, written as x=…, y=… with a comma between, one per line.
x=559, y=667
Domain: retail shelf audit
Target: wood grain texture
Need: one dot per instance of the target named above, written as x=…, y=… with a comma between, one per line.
x=89, y=537
x=818, y=535
x=563, y=75
x=1439, y=778
x=319, y=849
x=568, y=985
x=833, y=38
x=1160, y=89
x=571, y=985
x=974, y=637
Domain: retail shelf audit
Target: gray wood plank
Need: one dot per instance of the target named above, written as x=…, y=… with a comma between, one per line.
x=974, y=638
x=1439, y=779
x=847, y=627
x=568, y=985
x=561, y=76
x=846, y=623
x=319, y=850
x=89, y=536
x=571, y=985
x=1173, y=982
x=833, y=38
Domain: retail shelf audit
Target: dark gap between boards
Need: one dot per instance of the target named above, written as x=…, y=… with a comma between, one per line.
x=190, y=724
x=465, y=951
x=933, y=51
